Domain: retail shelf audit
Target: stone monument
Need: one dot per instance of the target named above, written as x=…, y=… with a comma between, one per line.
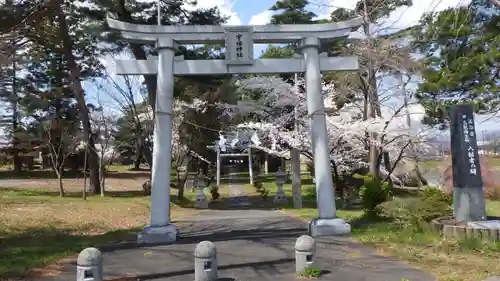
x=468, y=194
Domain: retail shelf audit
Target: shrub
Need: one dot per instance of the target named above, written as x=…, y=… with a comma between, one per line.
x=311, y=191
x=259, y=187
x=214, y=192
x=351, y=185
x=432, y=193
x=372, y=193
x=416, y=212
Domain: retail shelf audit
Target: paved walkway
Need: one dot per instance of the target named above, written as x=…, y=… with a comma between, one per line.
x=252, y=245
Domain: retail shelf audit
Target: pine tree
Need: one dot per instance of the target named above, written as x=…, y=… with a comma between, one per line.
x=10, y=117
x=173, y=13
x=292, y=12
x=462, y=55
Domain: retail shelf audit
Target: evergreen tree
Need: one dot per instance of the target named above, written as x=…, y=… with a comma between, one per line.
x=461, y=48
x=10, y=116
x=60, y=52
x=141, y=12
x=292, y=12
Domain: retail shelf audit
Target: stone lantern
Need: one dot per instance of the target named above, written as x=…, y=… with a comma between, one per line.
x=280, y=181
x=201, y=198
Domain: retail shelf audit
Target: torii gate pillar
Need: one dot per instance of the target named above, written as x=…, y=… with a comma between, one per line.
x=160, y=229
x=327, y=224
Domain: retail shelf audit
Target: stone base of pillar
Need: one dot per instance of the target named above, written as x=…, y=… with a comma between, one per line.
x=329, y=227
x=158, y=235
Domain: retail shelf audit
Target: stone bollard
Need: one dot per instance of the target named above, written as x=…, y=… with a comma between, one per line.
x=205, y=262
x=89, y=265
x=305, y=253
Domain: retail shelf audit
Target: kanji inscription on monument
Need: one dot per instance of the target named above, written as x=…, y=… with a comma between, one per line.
x=465, y=156
x=468, y=194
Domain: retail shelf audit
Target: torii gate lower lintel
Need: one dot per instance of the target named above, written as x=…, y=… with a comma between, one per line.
x=221, y=67
x=239, y=42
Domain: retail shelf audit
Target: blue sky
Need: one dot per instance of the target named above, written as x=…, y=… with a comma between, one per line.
x=255, y=12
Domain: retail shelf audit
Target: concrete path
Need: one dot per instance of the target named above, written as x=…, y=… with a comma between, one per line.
x=252, y=245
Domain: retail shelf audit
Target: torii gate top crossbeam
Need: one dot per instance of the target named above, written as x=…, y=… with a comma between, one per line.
x=203, y=34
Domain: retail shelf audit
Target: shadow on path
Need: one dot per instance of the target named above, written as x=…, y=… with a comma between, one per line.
x=267, y=265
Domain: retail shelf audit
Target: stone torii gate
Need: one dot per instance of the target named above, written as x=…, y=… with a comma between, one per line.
x=234, y=142
x=239, y=42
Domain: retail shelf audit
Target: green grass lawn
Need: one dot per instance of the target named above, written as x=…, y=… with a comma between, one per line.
x=37, y=227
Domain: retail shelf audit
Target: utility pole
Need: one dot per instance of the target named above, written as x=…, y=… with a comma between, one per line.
x=295, y=155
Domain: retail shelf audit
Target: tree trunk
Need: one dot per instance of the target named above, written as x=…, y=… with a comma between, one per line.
x=93, y=162
x=180, y=182
x=59, y=171
x=84, y=190
x=338, y=187
x=180, y=192
x=296, y=180
x=102, y=174
x=372, y=95
x=15, y=142
x=266, y=163
x=137, y=162
x=388, y=167
x=76, y=86
x=138, y=156
x=147, y=154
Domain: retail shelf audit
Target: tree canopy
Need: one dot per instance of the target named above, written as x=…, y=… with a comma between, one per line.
x=462, y=58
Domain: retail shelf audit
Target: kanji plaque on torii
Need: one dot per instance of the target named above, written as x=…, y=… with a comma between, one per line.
x=239, y=45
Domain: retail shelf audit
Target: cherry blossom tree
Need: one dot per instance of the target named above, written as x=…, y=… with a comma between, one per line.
x=103, y=128
x=271, y=103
